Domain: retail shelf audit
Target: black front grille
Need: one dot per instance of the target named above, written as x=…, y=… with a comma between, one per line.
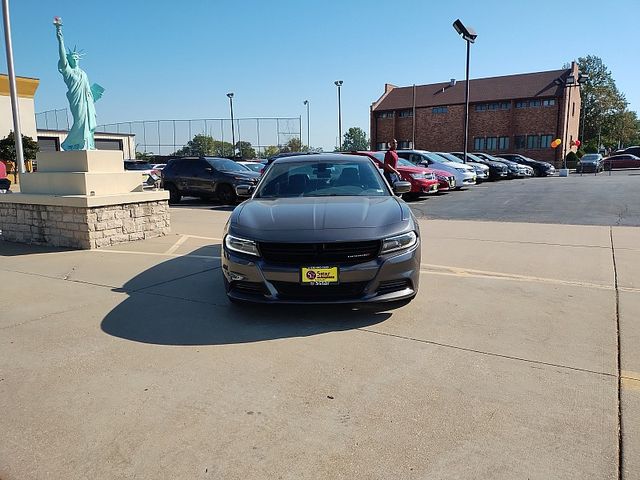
x=254, y=288
x=296, y=291
x=318, y=254
x=390, y=286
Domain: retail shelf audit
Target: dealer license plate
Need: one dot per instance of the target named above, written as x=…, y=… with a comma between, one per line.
x=319, y=275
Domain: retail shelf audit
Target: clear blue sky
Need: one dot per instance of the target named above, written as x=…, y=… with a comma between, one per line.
x=170, y=60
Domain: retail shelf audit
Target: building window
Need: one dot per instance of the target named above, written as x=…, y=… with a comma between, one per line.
x=535, y=103
x=505, y=105
x=108, y=144
x=545, y=141
x=549, y=102
x=522, y=104
x=481, y=107
x=520, y=141
x=492, y=143
x=49, y=144
x=503, y=143
x=533, y=141
x=439, y=110
x=478, y=143
x=384, y=115
x=381, y=146
x=405, y=144
x=573, y=109
x=493, y=106
x=405, y=113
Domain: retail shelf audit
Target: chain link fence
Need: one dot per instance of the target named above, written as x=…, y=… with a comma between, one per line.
x=164, y=137
x=54, y=120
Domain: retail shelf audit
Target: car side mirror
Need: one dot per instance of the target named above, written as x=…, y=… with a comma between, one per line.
x=245, y=190
x=401, y=187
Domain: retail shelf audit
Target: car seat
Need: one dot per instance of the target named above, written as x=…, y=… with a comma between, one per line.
x=348, y=177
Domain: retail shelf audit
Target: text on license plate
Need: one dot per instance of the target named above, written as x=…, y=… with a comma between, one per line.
x=319, y=275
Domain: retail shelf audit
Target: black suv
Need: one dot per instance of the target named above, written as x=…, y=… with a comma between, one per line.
x=206, y=177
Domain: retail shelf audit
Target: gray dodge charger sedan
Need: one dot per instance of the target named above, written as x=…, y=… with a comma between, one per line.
x=324, y=228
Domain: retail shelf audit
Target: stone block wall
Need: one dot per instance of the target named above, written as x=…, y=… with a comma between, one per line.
x=83, y=227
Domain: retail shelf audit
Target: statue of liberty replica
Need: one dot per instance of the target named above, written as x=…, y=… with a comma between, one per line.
x=81, y=96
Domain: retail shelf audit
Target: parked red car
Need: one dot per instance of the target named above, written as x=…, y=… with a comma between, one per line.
x=423, y=180
x=624, y=160
x=447, y=179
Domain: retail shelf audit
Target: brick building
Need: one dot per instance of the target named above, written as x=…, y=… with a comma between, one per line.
x=511, y=114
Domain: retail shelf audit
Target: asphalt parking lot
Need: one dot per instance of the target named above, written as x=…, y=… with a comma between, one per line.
x=575, y=200
x=520, y=358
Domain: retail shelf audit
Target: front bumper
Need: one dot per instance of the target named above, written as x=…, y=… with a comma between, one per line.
x=388, y=278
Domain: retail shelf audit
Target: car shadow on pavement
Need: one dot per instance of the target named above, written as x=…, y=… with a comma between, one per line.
x=12, y=249
x=192, y=309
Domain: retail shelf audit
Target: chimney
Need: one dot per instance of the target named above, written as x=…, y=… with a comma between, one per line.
x=388, y=87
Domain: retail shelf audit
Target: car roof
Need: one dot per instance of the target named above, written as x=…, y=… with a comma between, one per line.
x=324, y=157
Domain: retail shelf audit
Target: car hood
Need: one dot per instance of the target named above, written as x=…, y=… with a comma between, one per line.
x=304, y=219
x=247, y=174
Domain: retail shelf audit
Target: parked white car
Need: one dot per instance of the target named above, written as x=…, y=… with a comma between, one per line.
x=465, y=174
x=482, y=171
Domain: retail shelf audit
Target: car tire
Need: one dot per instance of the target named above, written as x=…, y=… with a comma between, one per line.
x=174, y=194
x=226, y=194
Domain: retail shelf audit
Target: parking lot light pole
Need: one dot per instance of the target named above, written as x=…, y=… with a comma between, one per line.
x=12, y=87
x=233, y=128
x=338, y=84
x=306, y=102
x=469, y=35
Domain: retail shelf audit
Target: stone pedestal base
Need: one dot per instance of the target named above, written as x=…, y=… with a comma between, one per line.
x=83, y=222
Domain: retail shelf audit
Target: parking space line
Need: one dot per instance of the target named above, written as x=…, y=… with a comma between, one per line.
x=630, y=380
x=177, y=244
x=465, y=272
x=158, y=254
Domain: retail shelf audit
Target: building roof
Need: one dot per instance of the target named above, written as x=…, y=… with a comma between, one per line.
x=26, y=86
x=98, y=135
x=508, y=87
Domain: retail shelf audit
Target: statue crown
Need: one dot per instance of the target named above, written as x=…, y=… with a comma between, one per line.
x=75, y=51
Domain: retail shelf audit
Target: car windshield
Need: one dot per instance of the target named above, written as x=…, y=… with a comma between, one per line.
x=434, y=157
x=449, y=157
x=590, y=157
x=322, y=179
x=405, y=163
x=137, y=166
x=226, y=165
x=253, y=166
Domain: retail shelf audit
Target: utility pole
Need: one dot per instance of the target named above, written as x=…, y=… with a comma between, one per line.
x=15, y=109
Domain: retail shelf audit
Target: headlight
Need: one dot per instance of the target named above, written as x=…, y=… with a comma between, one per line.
x=241, y=245
x=461, y=170
x=399, y=242
x=417, y=176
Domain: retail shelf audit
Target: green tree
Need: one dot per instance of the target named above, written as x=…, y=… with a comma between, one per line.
x=355, y=139
x=200, y=145
x=606, y=116
x=144, y=156
x=205, y=145
x=270, y=151
x=8, y=150
x=294, y=145
x=246, y=150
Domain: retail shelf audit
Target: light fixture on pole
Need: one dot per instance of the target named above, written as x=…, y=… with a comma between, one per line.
x=12, y=86
x=306, y=102
x=582, y=78
x=338, y=84
x=469, y=35
x=233, y=128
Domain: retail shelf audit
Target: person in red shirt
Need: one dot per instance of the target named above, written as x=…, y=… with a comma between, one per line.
x=391, y=163
x=5, y=183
